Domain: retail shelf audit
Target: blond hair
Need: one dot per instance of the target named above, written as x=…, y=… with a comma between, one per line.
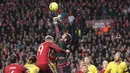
x=48, y=38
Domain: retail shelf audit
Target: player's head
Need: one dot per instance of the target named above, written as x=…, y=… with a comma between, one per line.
x=67, y=37
x=104, y=64
x=87, y=60
x=32, y=59
x=81, y=63
x=49, y=38
x=84, y=68
x=118, y=57
x=13, y=59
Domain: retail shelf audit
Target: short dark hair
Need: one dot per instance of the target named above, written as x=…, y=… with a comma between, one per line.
x=13, y=59
x=32, y=59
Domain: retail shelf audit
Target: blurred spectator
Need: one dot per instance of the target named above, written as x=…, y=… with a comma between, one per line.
x=25, y=23
x=128, y=61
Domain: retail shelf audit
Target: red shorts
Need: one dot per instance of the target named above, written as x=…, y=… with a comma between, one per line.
x=46, y=68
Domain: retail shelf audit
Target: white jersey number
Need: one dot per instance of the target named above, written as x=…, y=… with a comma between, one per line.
x=40, y=49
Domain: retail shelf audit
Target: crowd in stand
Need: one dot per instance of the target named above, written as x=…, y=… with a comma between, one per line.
x=25, y=23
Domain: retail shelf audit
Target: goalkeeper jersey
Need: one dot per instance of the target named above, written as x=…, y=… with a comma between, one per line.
x=64, y=46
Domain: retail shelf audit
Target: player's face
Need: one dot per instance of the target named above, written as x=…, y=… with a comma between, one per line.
x=87, y=60
x=117, y=57
x=63, y=37
x=81, y=63
x=105, y=65
x=84, y=68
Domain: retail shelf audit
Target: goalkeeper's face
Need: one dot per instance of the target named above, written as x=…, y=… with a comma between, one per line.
x=64, y=37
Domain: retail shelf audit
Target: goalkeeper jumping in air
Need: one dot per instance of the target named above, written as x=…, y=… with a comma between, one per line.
x=62, y=62
x=63, y=41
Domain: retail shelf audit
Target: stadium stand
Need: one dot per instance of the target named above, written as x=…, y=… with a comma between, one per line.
x=24, y=24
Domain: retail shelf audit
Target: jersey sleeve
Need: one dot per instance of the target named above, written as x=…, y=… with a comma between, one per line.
x=52, y=58
x=108, y=68
x=24, y=69
x=56, y=48
x=95, y=69
x=125, y=68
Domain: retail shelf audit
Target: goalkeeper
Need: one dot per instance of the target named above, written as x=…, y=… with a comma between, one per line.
x=62, y=62
x=63, y=65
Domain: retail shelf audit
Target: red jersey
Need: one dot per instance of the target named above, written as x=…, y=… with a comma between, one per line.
x=44, y=52
x=103, y=70
x=14, y=68
x=79, y=71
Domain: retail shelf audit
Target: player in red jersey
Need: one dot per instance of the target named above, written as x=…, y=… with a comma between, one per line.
x=43, y=54
x=83, y=68
x=14, y=67
x=104, y=64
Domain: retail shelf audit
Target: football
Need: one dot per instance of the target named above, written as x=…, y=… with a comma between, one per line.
x=53, y=6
